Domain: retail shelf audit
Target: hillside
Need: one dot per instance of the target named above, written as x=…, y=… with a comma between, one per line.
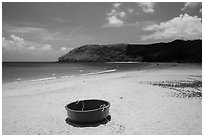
x=175, y=51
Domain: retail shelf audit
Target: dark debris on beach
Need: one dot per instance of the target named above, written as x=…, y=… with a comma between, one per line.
x=190, y=88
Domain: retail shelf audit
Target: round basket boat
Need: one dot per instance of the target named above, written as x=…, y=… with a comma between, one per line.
x=88, y=111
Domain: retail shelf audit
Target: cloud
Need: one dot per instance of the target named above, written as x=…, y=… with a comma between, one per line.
x=16, y=43
x=63, y=49
x=32, y=33
x=115, y=17
x=45, y=47
x=16, y=38
x=184, y=26
x=116, y=5
x=61, y=20
x=147, y=7
x=191, y=5
x=130, y=10
x=121, y=14
x=114, y=21
x=31, y=48
x=14, y=29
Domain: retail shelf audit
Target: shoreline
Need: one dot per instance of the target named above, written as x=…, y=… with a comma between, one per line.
x=125, y=62
x=61, y=77
x=56, y=70
x=53, y=76
x=38, y=107
x=116, y=68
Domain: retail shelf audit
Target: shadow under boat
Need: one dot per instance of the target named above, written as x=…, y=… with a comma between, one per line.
x=95, y=124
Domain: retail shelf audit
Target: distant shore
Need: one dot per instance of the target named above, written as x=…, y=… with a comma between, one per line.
x=142, y=102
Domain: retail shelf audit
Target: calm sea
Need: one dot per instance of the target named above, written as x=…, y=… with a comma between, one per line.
x=30, y=71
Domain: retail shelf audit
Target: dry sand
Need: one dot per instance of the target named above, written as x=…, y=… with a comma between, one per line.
x=38, y=107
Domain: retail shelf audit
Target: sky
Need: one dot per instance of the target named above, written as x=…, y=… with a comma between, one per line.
x=33, y=32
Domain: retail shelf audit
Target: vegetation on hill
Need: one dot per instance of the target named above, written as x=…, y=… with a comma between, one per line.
x=175, y=51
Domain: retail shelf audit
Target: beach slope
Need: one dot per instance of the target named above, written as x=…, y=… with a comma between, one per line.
x=137, y=105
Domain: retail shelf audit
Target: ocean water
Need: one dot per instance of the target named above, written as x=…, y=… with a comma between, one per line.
x=36, y=71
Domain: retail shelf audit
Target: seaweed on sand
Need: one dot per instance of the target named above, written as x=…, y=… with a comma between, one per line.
x=184, y=88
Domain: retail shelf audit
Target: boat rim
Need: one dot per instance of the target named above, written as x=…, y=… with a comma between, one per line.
x=91, y=110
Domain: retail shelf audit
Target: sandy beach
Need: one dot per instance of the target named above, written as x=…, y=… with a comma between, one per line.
x=137, y=107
